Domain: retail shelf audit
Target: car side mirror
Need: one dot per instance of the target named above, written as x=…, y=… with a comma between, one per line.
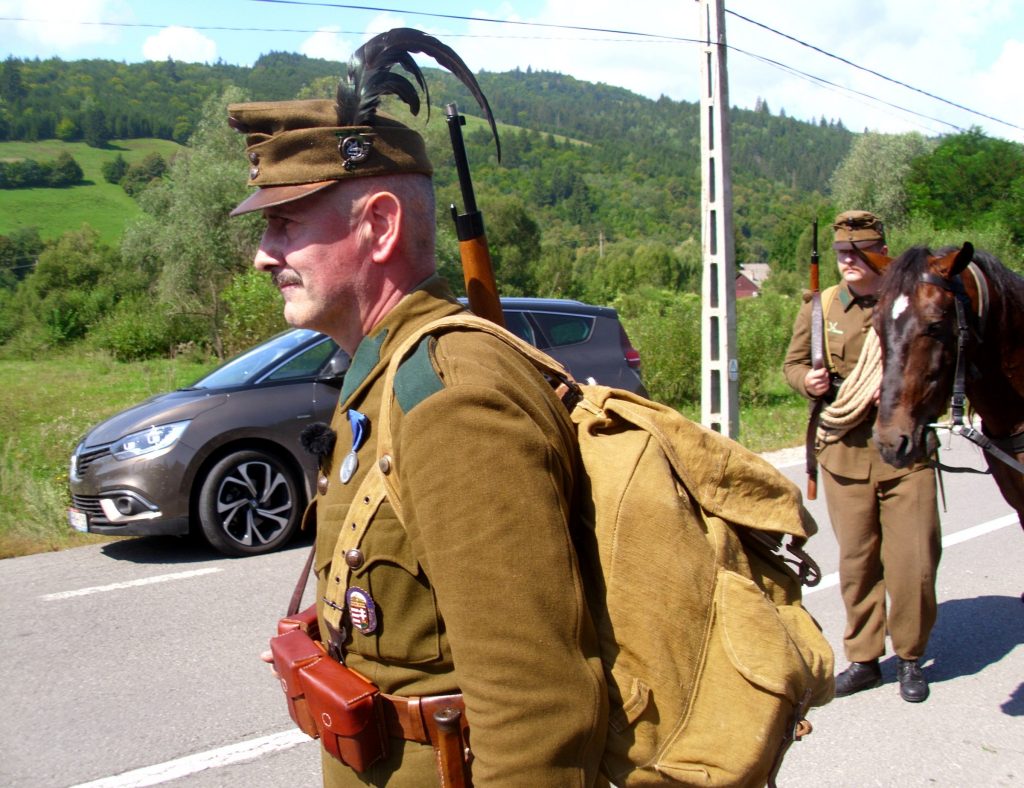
x=334, y=373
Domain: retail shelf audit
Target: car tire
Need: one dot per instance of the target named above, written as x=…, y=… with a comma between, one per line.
x=249, y=503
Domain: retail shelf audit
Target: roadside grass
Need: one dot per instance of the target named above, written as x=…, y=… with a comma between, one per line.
x=766, y=426
x=51, y=403
x=105, y=206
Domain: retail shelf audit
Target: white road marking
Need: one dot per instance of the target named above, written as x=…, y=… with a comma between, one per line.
x=966, y=534
x=145, y=581
x=276, y=742
x=190, y=764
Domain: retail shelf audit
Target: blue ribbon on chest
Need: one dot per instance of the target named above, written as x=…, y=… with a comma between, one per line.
x=360, y=425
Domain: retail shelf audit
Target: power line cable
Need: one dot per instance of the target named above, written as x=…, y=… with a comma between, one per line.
x=823, y=81
x=872, y=71
x=235, y=29
x=631, y=33
x=355, y=7
x=461, y=18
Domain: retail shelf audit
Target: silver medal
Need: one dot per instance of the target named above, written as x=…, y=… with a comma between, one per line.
x=348, y=467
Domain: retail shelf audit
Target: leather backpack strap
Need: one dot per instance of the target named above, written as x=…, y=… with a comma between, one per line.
x=367, y=500
x=385, y=440
x=827, y=297
x=300, y=586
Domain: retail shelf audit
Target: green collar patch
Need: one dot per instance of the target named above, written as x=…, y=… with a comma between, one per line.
x=416, y=378
x=366, y=358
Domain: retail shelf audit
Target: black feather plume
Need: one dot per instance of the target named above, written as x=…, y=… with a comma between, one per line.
x=370, y=78
x=318, y=439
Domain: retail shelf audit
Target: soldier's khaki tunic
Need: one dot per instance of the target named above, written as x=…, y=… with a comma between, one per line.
x=885, y=519
x=479, y=591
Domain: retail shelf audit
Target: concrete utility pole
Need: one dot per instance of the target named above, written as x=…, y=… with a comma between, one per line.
x=719, y=365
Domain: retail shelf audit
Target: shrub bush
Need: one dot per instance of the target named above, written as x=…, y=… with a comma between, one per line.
x=254, y=311
x=665, y=328
x=764, y=326
x=140, y=328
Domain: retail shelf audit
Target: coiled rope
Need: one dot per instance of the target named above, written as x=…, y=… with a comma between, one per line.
x=857, y=394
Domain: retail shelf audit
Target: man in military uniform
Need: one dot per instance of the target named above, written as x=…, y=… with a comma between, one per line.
x=885, y=519
x=476, y=589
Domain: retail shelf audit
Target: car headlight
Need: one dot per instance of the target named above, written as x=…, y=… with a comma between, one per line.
x=158, y=438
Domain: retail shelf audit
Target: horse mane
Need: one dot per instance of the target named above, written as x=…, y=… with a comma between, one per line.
x=904, y=272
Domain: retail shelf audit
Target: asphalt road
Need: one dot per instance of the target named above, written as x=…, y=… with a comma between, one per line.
x=135, y=663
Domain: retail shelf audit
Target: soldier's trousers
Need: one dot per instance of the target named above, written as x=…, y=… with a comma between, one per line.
x=889, y=545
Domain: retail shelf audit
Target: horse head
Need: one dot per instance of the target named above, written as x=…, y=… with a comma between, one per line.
x=916, y=322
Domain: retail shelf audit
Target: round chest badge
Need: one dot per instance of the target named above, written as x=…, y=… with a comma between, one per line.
x=362, y=611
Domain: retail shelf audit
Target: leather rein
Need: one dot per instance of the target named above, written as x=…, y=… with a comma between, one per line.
x=957, y=403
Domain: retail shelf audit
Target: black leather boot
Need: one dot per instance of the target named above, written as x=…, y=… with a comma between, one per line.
x=913, y=684
x=859, y=676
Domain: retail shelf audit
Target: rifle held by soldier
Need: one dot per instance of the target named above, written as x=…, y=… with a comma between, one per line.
x=817, y=362
x=481, y=289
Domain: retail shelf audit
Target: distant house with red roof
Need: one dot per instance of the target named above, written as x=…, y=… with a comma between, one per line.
x=749, y=279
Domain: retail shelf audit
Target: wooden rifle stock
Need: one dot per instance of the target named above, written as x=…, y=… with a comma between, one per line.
x=481, y=289
x=817, y=362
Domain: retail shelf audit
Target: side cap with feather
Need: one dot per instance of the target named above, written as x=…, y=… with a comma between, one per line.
x=297, y=148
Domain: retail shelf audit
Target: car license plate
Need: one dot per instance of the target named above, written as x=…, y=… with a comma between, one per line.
x=78, y=520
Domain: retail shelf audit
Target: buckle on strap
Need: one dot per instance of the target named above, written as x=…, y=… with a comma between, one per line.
x=413, y=719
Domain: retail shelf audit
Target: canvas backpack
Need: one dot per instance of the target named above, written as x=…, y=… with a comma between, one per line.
x=711, y=659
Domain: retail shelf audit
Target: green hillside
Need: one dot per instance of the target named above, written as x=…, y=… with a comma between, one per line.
x=105, y=206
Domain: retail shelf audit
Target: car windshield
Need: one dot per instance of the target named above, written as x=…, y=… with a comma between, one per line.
x=244, y=368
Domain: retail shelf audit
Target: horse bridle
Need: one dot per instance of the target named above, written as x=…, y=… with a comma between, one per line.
x=963, y=332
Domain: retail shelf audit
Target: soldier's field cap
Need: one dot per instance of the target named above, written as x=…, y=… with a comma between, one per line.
x=297, y=148
x=857, y=228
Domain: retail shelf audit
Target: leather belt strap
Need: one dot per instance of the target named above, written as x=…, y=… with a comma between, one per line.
x=412, y=719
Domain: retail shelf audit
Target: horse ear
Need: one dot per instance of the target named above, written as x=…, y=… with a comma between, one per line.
x=955, y=262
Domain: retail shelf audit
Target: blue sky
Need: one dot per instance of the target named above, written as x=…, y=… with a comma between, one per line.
x=971, y=54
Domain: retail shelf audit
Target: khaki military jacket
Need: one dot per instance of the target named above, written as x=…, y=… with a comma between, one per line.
x=478, y=590
x=846, y=325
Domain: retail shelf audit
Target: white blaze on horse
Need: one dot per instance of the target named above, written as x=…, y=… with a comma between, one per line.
x=952, y=325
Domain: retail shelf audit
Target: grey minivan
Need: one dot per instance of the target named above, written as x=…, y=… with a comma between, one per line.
x=223, y=456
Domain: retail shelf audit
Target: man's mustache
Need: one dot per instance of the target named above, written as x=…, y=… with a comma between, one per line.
x=285, y=278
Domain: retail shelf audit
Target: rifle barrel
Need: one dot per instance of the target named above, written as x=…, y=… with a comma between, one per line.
x=477, y=269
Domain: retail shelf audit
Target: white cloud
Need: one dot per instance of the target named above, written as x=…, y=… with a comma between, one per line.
x=327, y=44
x=62, y=26
x=1001, y=87
x=647, y=66
x=960, y=52
x=180, y=43
x=942, y=47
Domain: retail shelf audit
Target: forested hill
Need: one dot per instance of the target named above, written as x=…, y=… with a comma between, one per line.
x=41, y=99
x=633, y=127
x=602, y=161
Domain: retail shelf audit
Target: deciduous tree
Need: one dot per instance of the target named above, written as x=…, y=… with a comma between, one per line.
x=873, y=176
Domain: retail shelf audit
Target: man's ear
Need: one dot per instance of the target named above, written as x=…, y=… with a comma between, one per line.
x=383, y=213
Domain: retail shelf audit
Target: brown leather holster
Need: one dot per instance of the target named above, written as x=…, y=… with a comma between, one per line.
x=352, y=717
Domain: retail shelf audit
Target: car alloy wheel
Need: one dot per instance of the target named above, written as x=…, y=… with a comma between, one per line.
x=249, y=503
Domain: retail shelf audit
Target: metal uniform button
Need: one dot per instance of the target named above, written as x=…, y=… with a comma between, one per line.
x=254, y=173
x=385, y=464
x=254, y=157
x=354, y=558
x=321, y=484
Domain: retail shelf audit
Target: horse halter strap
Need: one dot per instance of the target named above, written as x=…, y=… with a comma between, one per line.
x=963, y=329
x=963, y=335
